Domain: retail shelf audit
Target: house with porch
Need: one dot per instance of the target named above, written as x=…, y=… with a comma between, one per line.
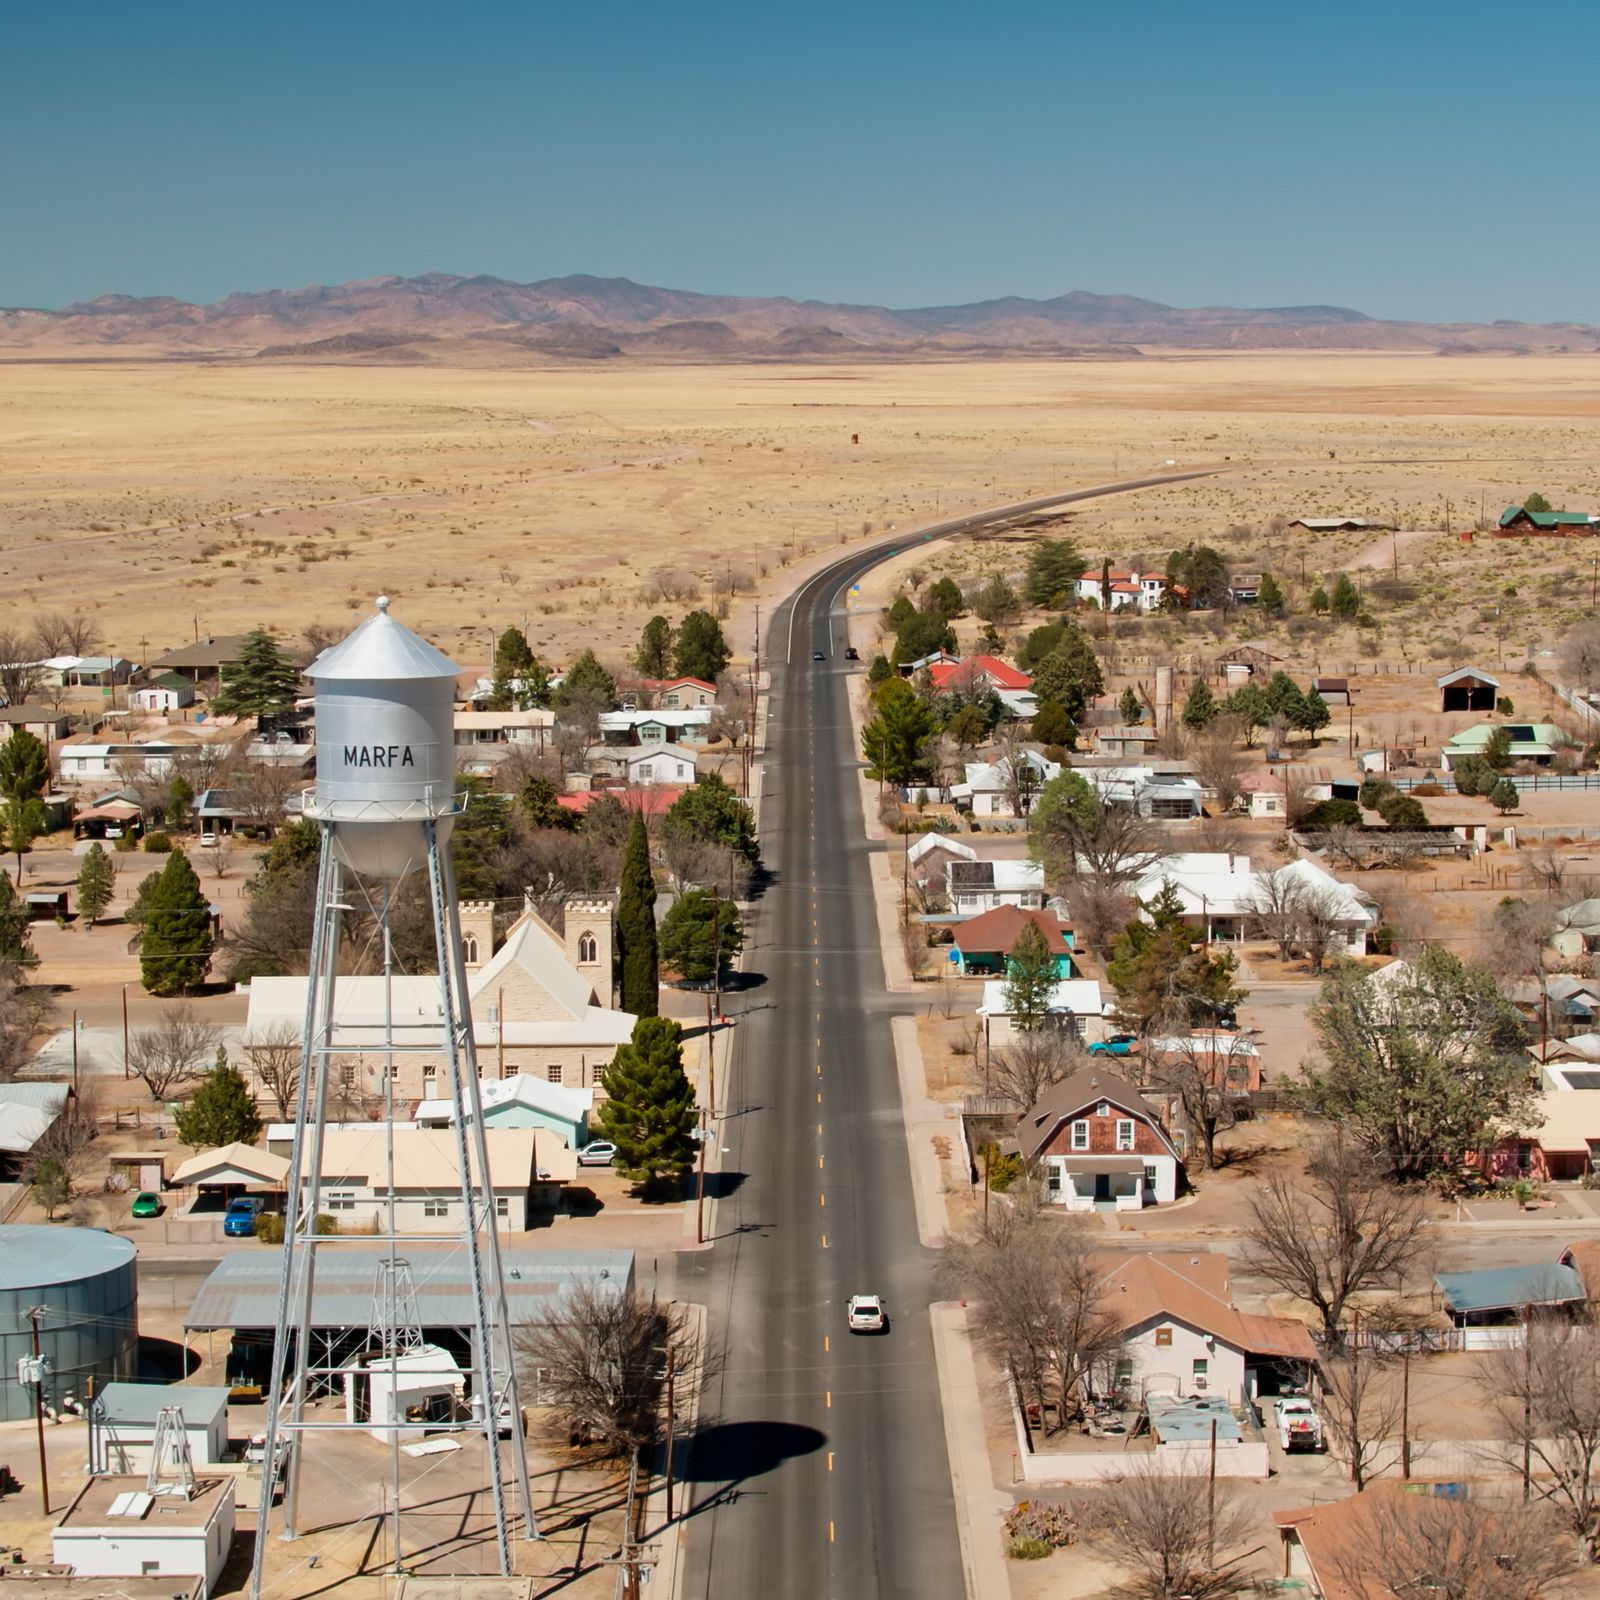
x=45, y=725
x=541, y=1003
x=204, y=659
x=1130, y=590
x=496, y=733
x=1093, y=1139
x=975, y=673
x=523, y=1101
x=670, y=694
x=980, y=946
x=1560, y=1140
x=1158, y=789
x=643, y=764
x=1537, y=743
x=1490, y=1306
x=987, y=790
x=1181, y=1334
x=929, y=856
x=688, y=726
x=166, y=691
x=1075, y=1004
x=1519, y=520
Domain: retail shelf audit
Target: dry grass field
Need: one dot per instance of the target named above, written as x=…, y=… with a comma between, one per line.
x=175, y=497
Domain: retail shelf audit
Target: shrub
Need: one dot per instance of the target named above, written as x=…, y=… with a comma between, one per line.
x=269, y=1227
x=158, y=844
x=1427, y=791
x=323, y=1225
x=1375, y=791
x=1003, y=1170
x=1027, y=1549
x=1473, y=775
x=1333, y=814
x=1401, y=811
x=1038, y=1522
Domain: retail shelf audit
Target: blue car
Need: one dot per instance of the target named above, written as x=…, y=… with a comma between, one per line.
x=1119, y=1044
x=239, y=1222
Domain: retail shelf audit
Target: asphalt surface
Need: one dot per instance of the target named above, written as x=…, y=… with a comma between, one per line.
x=822, y=1467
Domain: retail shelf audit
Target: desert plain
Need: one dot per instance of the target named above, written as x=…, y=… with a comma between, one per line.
x=176, y=498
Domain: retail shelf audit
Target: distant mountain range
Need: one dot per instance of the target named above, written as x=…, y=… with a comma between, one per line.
x=438, y=318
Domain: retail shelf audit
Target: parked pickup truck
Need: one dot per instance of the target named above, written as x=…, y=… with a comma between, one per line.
x=1299, y=1426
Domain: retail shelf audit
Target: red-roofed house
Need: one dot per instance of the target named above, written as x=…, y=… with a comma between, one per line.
x=977, y=672
x=982, y=944
x=654, y=800
x=1130, y=591
x=667, y=694
x=1094, y=1138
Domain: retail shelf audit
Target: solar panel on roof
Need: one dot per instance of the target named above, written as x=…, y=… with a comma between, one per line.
x=1582, y=1080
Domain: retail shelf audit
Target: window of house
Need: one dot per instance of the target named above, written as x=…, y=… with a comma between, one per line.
x=1149, y=1177
x=588, y=950
x=1524, y=1157
x=502, y=1205
x=1080, y=1135
x=394, y=1072
x=469, y=949
x=1202, y=1371
x=1124, y=1133
x=1124, y=1371
x=341, y=1200
x=1103, y=1109
x=433, y=1206
x=430, y=1071
x=553, y=1072
x=1163, y=1336
x=508, y=1069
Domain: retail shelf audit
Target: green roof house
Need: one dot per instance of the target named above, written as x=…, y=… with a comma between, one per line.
x=1517, y=519
x=1537, y=742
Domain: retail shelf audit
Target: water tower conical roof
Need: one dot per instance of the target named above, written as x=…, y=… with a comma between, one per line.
x=381, y=648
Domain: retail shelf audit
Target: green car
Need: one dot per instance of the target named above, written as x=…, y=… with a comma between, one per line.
x=147, y=1205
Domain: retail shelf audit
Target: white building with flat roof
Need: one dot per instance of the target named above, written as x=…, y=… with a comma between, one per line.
x=115, y=1529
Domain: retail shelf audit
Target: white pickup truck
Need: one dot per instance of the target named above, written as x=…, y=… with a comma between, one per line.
x=1299, y=1426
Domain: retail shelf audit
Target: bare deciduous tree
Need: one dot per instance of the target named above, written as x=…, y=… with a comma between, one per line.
x=1274, y=905
x=1414, y=1545
x=1044, y=1319
x=1548, y=1399
x=1033, y=1062
x=1342, y=1226
x=1362, y=1405
x=914, y=946
x=599, y=1359
x=64, y=635
x=260, y=791
x=24, y=1011
x=1203, y=1072
x=1100, y=911
x=175, y=1050
x=1218, y=761
x=1580, y=656
x=1318, y=920
x=1179, y=1534
x=20, y=675
x=273, y=1056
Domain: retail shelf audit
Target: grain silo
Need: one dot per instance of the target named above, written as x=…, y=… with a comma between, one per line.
x=84, y=1283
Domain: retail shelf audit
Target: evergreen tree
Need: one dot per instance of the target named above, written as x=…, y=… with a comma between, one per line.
x=895, y=740
x=180, y=796
x=16, y=930
x=1160, y=962
x=175, y=948
x=636, y=926
x=923, y=633
x=1504, y=797
x=1285, y=700
x=712, y=813
x=879, y=671
x=649, y=1111
x=996, y=602
x=1031, y=977
x=701, y=651
x=23, y=821
x=540, y=805
x=1200, y=708
x=1202, y=573
x=1250, y=705
x=586, y=675
x=1315, y=715
x=484, y=829
x=1537, y=502
x=1070, y=674
x=1345, y=601
x=695, y=946
x=97, y=878
x=1105, y=585
x=900, y=612
x=1052, y=725
x=1403, y=811
x=261, y=681
x=519, y=680
x=1269, y=597
x=1130, y=708
x=1039, y=644
x=945, y=598
x=653, y=658
x=220, y=1111
x=1054, y=567
x=24, y=767
x=1497, y=749
x=1319, y=599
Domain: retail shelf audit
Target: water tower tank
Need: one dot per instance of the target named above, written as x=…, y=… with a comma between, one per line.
x=385, y=744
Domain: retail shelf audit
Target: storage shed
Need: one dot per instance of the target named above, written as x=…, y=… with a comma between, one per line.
x=1468, y=689
x=122, y=1424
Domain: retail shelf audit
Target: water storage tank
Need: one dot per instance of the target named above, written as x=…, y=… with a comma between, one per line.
x=385, y=744
x=87, y=1282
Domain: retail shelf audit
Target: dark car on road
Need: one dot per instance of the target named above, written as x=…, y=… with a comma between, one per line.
x=851, y=653
x=817, y=655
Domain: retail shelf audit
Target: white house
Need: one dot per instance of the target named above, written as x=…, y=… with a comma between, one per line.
x=522, y=1102
x=1075, y=1003
x=541, y=1003
x=114, y=1529
x=421, y=1385
x=1180, y=1332
x=527, y=1166
x=169, y=691
x=122, y=1425
x=683, y=725
x=1094, y=1140
x=1221, y=893
x=644, y=765
x=928, y=858
x=974, y=887
x=1151, y=790
x=528, y=729
x=90, y=763
x=986, y=791
x=1130, y=591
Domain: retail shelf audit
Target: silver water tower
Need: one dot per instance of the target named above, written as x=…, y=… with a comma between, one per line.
x=384, y=806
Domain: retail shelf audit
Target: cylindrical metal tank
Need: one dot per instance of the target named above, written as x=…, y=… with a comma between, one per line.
x=86, y=1281
x=385, y=744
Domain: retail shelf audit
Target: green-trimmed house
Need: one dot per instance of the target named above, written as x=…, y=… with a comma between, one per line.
x=1518, y=519
x=523, y=1101
x=1537, y=742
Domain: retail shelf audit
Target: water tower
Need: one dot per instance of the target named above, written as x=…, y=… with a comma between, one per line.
x=384, y=806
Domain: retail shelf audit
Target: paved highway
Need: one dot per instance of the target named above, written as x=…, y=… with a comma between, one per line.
x=823, y=1468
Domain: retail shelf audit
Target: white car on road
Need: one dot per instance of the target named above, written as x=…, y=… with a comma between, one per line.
x=866, y=1313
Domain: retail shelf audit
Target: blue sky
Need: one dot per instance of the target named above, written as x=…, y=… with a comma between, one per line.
x=1406, y=159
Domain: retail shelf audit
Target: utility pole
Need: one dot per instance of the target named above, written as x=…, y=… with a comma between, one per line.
x=700, y=1184
x=1405, y=1412
x=125, y=1071
x=1527, y=1403
x=33, y=1313
x=1211, y=1501
x=672, y=1419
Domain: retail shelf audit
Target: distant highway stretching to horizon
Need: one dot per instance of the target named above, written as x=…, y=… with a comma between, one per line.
x=822, y=1468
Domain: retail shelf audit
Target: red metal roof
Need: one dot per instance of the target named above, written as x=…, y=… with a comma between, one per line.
x=1000, y=673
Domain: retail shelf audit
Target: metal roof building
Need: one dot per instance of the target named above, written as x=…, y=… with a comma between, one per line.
x=241, y=1293
x=1469, y=1294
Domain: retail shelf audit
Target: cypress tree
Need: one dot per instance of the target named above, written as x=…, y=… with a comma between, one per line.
x=221, y=1111
x=16, y=934
x=1200, y=709
x=24, y=767
x=1031, y=976
x=97, y=877
x=175, y=948
x=650, y=1111
x=636, y=926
